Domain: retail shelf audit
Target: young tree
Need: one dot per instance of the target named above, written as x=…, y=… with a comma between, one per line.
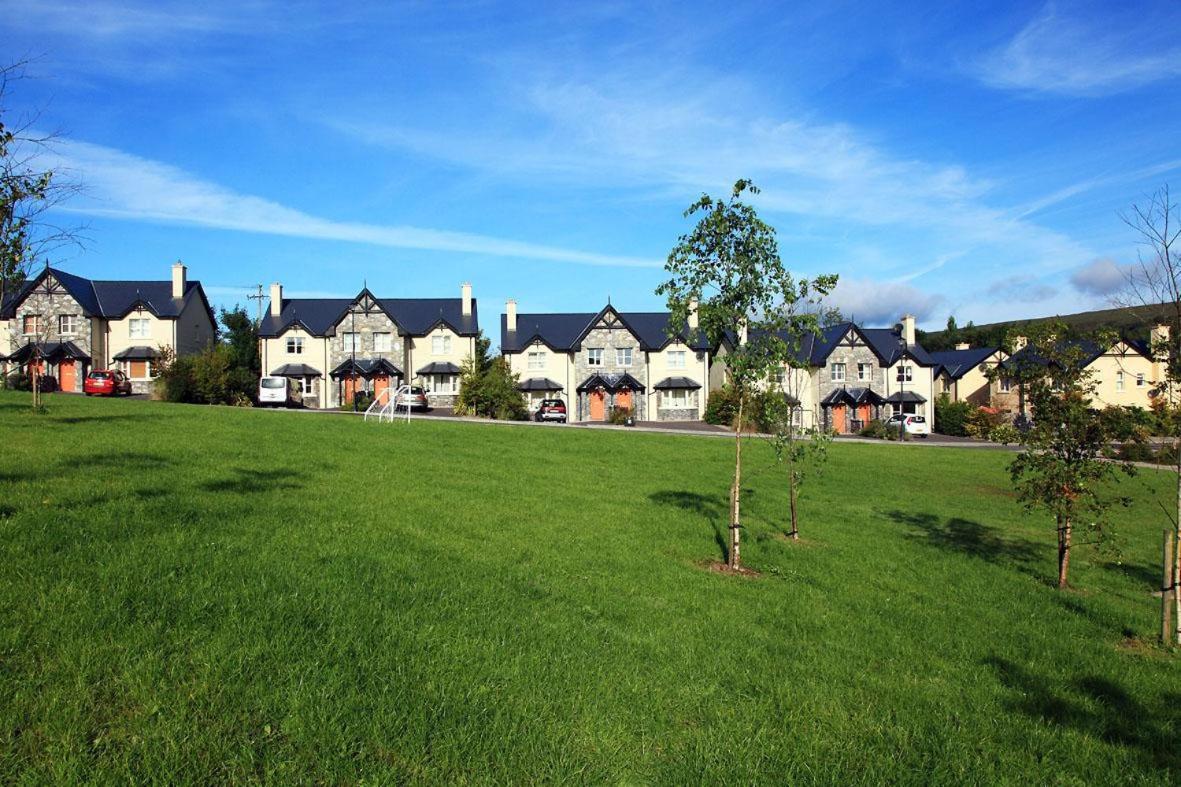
x=729, y=267
x=800, y=452
x=1154, y=281
x=1062, y=468
x=488, y=387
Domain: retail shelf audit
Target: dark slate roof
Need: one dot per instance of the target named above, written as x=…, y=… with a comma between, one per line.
x=612, y=382
x=669, y=383
x=415, y=316
x=115, y=299
x=296, y=370
x=564, y=332
x=957, y=363
x=365, y=367
x=815, y=349
x=905, y=396
x=852, y=396
x=139, y=352
x=539, y=384
x=439, y=367
x=1088, y=351
x=50, y=351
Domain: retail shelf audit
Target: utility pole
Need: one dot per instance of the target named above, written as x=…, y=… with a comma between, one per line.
x=257, y=297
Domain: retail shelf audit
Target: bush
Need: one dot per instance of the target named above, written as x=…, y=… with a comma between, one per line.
x=981, y=421
x=206, y=378
x=951, y=418
x=619, y=415
x=1006, y=434
x=762, y=410
x=877, y=430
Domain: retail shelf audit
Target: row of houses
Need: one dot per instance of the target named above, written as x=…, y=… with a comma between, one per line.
x=337, y=348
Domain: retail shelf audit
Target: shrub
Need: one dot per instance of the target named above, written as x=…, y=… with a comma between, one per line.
x=951, y=418
x=981, y=421
x=877, y=430
x=1006, y=434
x=619, y=415
x=761, y=411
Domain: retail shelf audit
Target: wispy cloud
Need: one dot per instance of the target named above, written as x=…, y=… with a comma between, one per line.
x=122, y=186
x=1102, y=277
x=1055, y=53
x=874, y=302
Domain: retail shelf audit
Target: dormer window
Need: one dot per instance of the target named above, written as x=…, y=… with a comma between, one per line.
x=441, y=345
x=295, y=345
x=676, y=359
x=139, y=328
x=905, y=374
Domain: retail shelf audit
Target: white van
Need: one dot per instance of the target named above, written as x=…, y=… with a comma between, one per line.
x=278, y=392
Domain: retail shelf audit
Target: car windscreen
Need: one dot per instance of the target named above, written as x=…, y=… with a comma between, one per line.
x=100, y=375
x=274, y=382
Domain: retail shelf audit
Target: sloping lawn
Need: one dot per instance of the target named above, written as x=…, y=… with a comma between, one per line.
x=212, y=595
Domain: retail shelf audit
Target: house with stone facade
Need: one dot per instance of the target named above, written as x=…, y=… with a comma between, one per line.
x=846, y=375
x=600, y=362
x=335, y=348
x=64, y=325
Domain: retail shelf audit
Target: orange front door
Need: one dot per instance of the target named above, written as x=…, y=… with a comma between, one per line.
x=838, y=419
x=863, y=413
x=598, y=406
x=66, y=377
x=350, y=389
x=380, y=384
x=623, y=400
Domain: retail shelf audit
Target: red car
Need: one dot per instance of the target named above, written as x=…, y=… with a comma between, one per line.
x=551, y=410
x=104, y=382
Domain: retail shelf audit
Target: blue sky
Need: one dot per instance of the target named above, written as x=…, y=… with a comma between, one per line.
x=966, y=159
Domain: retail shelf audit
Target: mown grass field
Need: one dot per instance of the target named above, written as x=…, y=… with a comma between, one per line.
x=214, y=595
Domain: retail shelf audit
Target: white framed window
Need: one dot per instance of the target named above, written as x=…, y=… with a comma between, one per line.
x=677, y=399
x=295, y=345
x=443, y=383
x=676, y=359
x=1119, y=381
x=864, y=372
x=441, y=345
x=594, y=356
x=905, y=373
x=623, y=356
x=68, y=324
x=139, y=328
x=305, y=385
x=350, y=341
x=836, y=372
x=382, y=342
x=1140, y=380
x=537, y=360
x=1006, y=385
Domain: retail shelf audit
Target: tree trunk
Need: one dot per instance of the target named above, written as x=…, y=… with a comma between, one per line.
x=1177, y=557
x=1166, y=583
x=734, y=558
x=793, y=494
x=1063, y=550
x=36, y=388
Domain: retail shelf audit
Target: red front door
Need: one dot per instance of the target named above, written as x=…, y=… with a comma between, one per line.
x=598, y=406
x=350, y=389
x=838, y=419
x=380, y=384
x=623, y=400
x=66, y=376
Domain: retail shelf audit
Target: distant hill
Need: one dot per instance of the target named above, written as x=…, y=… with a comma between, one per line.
x=1131, y=321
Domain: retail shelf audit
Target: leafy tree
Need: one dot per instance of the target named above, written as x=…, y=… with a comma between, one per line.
x=801, y=453
x=488, y=386
x=241, y=335
x=1062, y=468
x=728, y=266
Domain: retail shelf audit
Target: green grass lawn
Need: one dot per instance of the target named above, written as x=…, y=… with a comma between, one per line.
x=213, y=595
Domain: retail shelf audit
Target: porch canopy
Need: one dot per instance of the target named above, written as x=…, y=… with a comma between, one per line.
x=612, y=383
x=365, y=367
x=139, y=352
x=438, y=367
x=905, y=397
x=296, y=370
x=539, y=384
x=48, y=351
x=852, y=397
x=677, y=383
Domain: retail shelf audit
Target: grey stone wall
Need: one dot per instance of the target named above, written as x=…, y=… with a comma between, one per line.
x=851, y=356
x=366, y=324
x=677, y=413
x=610, y=339
x=51, y=305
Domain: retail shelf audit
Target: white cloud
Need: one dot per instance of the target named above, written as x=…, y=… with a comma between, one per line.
x=1021, y=288
x=1102, y=277
x=882, y=303
x=122, y=186
x=1056, y=54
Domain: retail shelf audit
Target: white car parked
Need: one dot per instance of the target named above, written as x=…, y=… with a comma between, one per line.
x=915, y=424
x=278, y=392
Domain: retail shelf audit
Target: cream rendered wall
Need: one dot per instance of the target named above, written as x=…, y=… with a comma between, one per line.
x=696, y=369
x=974, y=386
x=559, y=367
x=6, y=347
x=923, y=383
x=419, y=350
x=160, y=334
x=1106, y=368
x=315, y=354
x=194, y=329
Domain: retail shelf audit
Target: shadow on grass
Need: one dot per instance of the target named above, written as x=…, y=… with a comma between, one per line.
x=1098, y=707
x=127, y=460
x=247, y=481
x=1149, y=576
x=977, y=540
x=83, y=419
x=708, y=506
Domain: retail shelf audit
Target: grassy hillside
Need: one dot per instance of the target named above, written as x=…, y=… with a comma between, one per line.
x=216, y=595
x=1134, y=322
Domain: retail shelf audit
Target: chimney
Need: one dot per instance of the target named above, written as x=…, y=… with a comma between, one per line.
x=179, y=279
x=963, y=346
x=276, y=299
x=1019, y=343
x=465, y=290
x=743, y=333
x=1158, y=339
x=908, y=329
x=510, y=315
x=693, y=304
